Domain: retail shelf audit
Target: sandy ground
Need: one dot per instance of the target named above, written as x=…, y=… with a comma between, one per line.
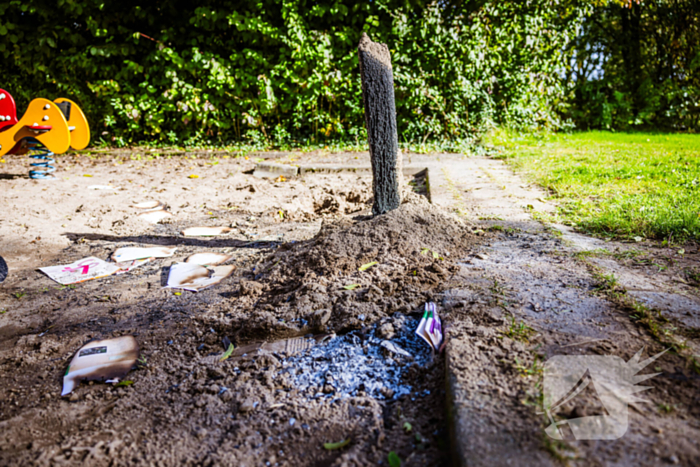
x=296, y=244
x=184, y=407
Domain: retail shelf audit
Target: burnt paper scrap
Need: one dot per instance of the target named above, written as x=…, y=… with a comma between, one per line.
x=286, y=347
x=208, y=259
x=152, y=211
x=194, y=277
x=106, y=360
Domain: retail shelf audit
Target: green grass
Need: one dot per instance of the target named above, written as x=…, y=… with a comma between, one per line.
x=621, y=185
x=519, y=331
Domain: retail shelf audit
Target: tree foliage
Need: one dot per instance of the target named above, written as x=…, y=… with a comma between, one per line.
x=272, y=70
x=637, y=64
x=275, y=70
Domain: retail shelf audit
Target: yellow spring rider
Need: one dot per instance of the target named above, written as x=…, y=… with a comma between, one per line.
x=46, y=128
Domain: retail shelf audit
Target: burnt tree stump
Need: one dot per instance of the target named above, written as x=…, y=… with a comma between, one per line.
x=380, y=121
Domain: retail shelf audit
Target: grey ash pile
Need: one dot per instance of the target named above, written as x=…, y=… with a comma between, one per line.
x=375, y=362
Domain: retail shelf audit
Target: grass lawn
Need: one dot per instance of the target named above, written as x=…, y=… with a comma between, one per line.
x=614, y=184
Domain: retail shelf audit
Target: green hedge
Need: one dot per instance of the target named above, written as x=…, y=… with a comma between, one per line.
x=274, y=71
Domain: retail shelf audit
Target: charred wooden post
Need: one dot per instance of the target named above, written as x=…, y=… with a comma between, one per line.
x=380, y=120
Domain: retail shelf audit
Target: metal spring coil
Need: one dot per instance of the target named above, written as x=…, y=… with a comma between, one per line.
x=43, y=154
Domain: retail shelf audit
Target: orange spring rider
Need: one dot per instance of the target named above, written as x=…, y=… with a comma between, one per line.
x=46, y=128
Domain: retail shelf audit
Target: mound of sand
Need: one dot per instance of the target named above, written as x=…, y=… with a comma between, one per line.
x=317, y=286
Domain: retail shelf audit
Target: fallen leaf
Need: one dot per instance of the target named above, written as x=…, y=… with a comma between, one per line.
x=338, y=445
x=124, y=383
x=351, y=286
x=407, y=427
x=394, y=459
x=365, y=267
x=193, y=176
x=681, y=252
x=178, y=293
x=87, y=175
x=227, y=354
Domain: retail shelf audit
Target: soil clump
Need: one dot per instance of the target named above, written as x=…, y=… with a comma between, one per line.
x=317, y=285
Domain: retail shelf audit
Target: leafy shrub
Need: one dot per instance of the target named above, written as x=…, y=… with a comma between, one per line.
x=636, y=65
x=275, y=72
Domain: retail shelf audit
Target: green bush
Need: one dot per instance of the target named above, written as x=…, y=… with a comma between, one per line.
x=273, y=72
x=637, y=65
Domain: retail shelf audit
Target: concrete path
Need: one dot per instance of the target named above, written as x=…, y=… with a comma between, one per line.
x=548, y=277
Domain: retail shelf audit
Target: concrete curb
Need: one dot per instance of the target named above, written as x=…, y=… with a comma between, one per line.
x=274, y=170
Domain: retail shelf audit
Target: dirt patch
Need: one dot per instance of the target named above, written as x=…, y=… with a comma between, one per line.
x=304, y=287
x=295, y=244
x=511, y=292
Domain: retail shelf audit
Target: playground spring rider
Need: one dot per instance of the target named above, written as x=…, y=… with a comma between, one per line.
x=63, y=125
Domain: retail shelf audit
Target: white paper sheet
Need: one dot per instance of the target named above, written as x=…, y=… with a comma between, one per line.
x=206, y=231
x=132, y=253
x=83, y=270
